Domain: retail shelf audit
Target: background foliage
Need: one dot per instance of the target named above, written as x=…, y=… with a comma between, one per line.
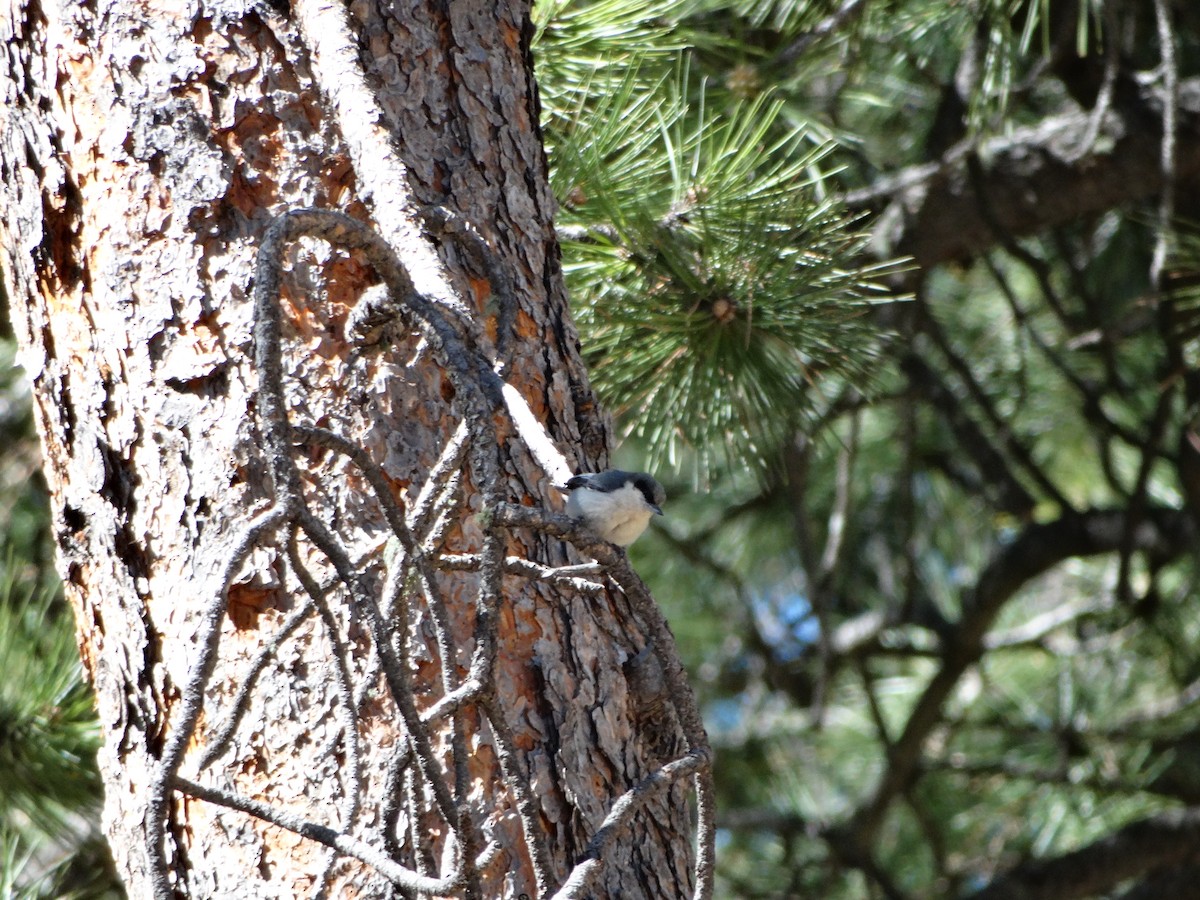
x=932, y=538
x=934, y=463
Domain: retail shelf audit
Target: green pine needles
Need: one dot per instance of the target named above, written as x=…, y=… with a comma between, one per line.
x=48, y=739
x=718, y=286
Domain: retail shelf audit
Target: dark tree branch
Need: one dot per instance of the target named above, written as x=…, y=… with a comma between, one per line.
x=1009, y=494
x=1032, y=180
x=1172, y=881
x=1168, y=839
x=1005, y=439
x=1162, y=533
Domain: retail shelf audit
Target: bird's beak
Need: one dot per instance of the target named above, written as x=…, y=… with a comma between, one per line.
x=657, y=509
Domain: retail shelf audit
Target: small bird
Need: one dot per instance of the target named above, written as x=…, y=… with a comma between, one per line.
x=616, y=505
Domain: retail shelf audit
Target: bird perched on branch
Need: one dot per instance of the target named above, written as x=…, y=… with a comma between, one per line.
x=616, y=505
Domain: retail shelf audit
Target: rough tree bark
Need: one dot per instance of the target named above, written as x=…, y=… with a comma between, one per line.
x=145, y=149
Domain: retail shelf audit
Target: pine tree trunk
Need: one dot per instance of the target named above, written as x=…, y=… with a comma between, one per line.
x=145, y=150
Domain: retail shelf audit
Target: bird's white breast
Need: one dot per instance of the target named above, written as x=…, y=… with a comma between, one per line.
x=618, y=516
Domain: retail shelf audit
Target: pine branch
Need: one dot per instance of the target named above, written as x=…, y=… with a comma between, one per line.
x=1166, y=533
x=1138, y=848
x=1031, y=181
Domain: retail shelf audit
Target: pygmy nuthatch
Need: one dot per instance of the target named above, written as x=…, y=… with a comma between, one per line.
x=616, y=505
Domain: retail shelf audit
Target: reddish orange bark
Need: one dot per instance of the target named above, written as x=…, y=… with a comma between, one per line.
x=146, y=149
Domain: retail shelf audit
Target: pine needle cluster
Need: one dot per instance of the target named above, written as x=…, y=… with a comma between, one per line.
x=706, y=256
x=49, y=785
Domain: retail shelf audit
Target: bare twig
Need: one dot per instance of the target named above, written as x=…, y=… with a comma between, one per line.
x=192, y=696
x=579, y=883
x=1170, y=117
x=219, y=741
x=447, y=650
x=516, y=565
x=347, y=708
x=323, y=834
x=467, y=236
x=424, y=508
x=1112, y=65
x=527, y=810
x=1162, y=245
